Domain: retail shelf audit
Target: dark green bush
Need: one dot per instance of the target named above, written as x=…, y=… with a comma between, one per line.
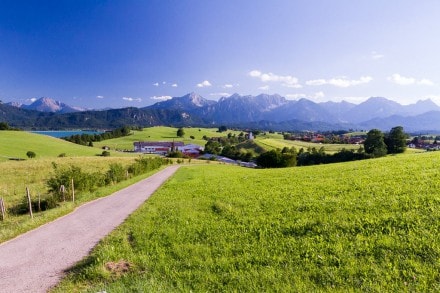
x=115, y=174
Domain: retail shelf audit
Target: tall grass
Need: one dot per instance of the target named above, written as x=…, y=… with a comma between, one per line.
x=361, y=226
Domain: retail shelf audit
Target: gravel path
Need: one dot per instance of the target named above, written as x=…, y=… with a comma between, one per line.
x=36, y=261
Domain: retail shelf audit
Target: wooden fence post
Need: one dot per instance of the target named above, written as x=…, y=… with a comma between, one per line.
x=2, y=209
x=29, y=202
x=63, y=191
x=73, y=191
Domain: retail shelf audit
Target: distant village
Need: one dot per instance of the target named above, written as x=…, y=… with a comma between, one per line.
x=164, y=148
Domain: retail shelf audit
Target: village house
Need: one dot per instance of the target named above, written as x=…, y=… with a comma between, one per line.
x=191, y=150
x=156, y=147
x=164, y=147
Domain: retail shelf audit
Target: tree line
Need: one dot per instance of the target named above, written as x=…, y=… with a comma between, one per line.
x=377, y=144
x=89, y=139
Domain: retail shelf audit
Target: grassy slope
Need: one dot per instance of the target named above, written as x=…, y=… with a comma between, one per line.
x=162, y=133
x=276, y=141
x=17, y=143
x=361, y=226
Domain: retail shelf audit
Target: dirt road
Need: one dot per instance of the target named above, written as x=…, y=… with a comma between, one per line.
x=35, y=261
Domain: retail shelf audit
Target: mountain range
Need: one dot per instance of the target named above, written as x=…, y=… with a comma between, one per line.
x=48, y=105
x=270, y=112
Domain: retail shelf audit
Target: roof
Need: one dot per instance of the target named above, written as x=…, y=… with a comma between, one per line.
x=158, y=143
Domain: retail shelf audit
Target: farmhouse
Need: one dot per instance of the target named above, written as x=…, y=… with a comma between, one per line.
x=164, y=147
x=156, y=147
x=191, y=150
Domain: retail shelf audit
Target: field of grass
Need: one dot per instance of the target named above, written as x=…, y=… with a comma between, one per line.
x=162, y=133
x=368, y=225
x=275, y=142
x=15, y=144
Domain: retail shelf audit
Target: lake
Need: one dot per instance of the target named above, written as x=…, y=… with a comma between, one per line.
x=59, y=134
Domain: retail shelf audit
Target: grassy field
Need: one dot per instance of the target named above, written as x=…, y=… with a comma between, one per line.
x=15, y=144
x=368, y=225
x=278, y=143
x=162, y=133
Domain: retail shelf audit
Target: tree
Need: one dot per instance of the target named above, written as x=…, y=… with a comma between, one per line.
x=396, y=140
x=213, y=147
x=180, y=132
x=277, y=159
x=31, y=154
x=374, y=143
x=4, y=126
x=222, y=128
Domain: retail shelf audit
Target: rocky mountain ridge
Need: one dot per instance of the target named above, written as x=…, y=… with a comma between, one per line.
x=264, y=111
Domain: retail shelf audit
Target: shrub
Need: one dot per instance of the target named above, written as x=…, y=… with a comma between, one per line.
x=31, y=154
x=105, y=154
x=82, y=181
x=115, y=174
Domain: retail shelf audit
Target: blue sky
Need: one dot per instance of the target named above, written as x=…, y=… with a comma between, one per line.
x=133, y=53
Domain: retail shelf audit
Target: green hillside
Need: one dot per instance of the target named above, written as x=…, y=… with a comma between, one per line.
x=277, y=141
x=15, y=144
x=162, y=133
x=369, y=225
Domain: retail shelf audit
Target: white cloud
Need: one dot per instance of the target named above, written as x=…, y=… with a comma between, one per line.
x=161, y=98
x=319, y=95
x=228, y=86
x=402, y=80
x=174, y=85
x=32, y=100
x=264, y=88
x=376, y=56
x=129, y=99
x=340, y=81
x=286, y=80
x=255, y=73
x=425, y=81
x=156, y=84
x=164, y=82
x=316, y=82
x=204, y=83
x=100, y=97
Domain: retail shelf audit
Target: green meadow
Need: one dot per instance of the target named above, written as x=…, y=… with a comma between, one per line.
x=270, y=142
x=368, y=225
x=15, y=144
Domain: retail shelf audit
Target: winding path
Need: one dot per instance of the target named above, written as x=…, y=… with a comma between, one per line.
x=36, y=260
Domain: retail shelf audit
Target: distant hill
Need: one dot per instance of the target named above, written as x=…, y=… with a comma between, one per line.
x=378, y=107
x=261, y=111
x=426, y=122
